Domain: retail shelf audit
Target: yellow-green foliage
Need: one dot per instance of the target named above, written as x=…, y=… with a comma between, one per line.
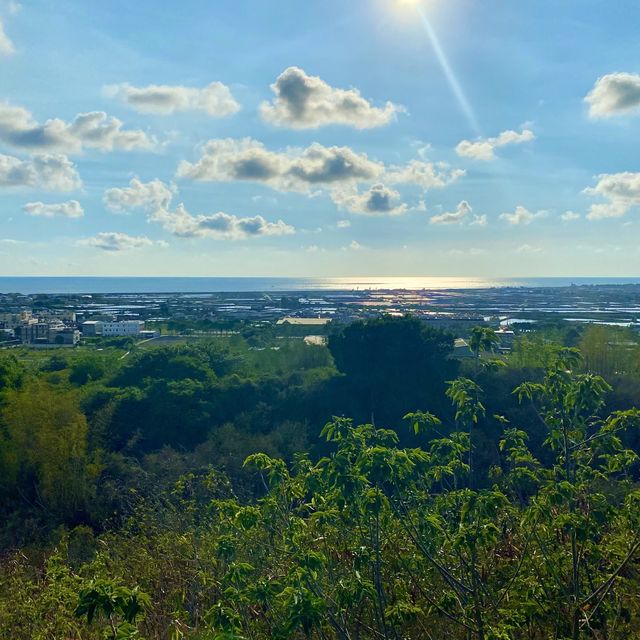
x=45, y=447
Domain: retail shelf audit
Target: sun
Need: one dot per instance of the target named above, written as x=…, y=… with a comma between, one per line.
x=408, y=3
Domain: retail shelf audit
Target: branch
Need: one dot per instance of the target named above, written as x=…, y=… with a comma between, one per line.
x=607, y=584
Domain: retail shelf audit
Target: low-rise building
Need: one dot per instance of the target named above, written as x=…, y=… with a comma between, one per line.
x=43, y=333
x=506, y=337
x=64, y=336
x=122, y=328
x=32, y=331
x=10, y=321
x=148, y=334
x=461, y=349
x=294, y=326
x=307, y=322
x=91, y=328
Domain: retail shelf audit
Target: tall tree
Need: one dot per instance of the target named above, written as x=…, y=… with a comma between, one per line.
x=393, y=365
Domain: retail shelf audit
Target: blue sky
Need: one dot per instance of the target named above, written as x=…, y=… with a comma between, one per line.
x=341, y=137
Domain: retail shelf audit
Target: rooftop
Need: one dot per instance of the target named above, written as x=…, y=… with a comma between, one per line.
x=304, y=321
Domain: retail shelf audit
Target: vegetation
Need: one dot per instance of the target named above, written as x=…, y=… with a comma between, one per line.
x=374, y=489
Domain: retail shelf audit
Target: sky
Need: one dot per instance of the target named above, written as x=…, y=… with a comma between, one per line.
x=320, y=138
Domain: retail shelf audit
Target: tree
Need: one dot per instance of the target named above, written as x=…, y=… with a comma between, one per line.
x=392, y=365
x=482, y=339
x=12, y=373
x=584, y=545
x=119, y=606
x=46, y=449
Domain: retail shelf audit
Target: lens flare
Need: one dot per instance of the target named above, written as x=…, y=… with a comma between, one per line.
x=449, y=74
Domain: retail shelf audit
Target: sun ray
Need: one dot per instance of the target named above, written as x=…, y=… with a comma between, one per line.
x=450, y=76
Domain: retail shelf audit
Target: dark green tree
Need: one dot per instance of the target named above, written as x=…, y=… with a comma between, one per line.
x=392, y=365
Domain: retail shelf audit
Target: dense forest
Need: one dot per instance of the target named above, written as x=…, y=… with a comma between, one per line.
x=253, y=487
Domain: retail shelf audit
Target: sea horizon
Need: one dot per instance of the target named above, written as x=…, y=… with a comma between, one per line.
x=71, y=285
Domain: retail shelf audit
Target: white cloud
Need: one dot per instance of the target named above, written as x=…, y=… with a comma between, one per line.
x=471, y=251
x=218, y=225
x=621, y=190
x=463, y=213
x=114, y=242
x=48, y=172
x=527, y=248
x=94, y=130
x=522, y=216
x=271, y=200
x=6, y=46
x=295, y=170
x=139, y=195
x=428, y=175
x=375, y=201
x=215, y=99
x=354, y=245
x=343, y=224
x=70, y=209
x=155, y=197
x=570, y=216
x=307, y=102
x=12, y=241
x=614, y=94
x=307, y=170
x=484, y=148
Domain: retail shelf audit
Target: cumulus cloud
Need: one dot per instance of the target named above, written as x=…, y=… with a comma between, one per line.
x=377, y=200
x=569, y=216
x=70, y=209
x=622, y=192
x=462, y=214
x=139, y=195
x=614, y=94
x=522, y=216
x=6, y=46
x=94, y=130
x=295, y=170
x=48, y=172
x=217, y=225
x=484, y=148
x=155, y=198
x=307, y=170
x=215, y=99
x=114, y=242
x=307, y=102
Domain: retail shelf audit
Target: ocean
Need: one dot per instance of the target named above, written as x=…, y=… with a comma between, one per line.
x=135, y=284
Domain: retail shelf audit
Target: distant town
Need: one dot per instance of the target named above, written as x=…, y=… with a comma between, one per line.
x=46, y=321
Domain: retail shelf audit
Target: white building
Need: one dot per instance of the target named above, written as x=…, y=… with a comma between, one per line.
x=122, y=328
